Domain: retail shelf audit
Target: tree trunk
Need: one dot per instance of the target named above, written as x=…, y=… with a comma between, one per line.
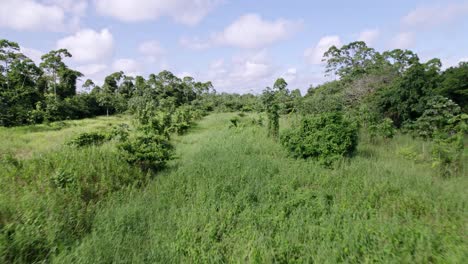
x=107, y=112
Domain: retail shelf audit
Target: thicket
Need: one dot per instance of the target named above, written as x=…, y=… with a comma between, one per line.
x=325, y=137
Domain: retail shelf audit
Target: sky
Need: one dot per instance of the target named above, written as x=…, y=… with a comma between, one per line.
x=241, y=46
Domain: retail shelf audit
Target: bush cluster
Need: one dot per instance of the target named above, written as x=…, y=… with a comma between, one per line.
x=88, y=138
x=149, y=151
x=324, y=137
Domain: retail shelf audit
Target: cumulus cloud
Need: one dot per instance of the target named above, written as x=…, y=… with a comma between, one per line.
x=46, y=15
x=369, y=36
x=91, y=69
x=88, y=45
x=243, y=73
x=248, y=31
x=314, y=54
x=128, y=66
x=195, y=43
x=427, y=16
x=31, y=15
x=152, y=50
x=290, y=75
x=403, y=40
x=189, y=12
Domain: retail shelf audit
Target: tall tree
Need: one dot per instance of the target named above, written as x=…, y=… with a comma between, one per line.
x=52, y=63
x=352, y=60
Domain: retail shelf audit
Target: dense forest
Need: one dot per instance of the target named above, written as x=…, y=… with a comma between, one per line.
x=375, y=97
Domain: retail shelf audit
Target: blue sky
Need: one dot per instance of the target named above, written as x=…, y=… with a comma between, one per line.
x=241, y=46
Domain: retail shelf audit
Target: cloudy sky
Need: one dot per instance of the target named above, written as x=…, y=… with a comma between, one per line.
x=240, y=45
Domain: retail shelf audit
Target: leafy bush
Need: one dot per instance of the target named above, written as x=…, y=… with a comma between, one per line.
x=325, y=137
x=119, y=132
x=383, y=129
x=181, y=120
x=447, y=152
x=234, y=121
x=438, y=117
x=87, y=139
x=149, y=151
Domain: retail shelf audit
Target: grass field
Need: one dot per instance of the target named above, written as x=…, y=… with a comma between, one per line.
x=26, y=141
x=234, y=195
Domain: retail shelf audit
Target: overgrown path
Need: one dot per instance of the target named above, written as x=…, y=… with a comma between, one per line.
x=233, y=195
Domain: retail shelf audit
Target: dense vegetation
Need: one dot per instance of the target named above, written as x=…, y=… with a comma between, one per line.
x=368, y=168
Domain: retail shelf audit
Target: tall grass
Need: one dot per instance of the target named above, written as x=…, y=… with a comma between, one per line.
x=234, y=195
x=48, y=198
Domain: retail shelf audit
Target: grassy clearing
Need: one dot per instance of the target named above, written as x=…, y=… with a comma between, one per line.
x=233, y=195
x=49, y=192
x=26, y=141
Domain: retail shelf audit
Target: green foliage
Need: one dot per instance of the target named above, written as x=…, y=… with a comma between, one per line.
x=49, y=202
x=148, y=151
x=447, y=154
x=448, y=149
x=325, y=137
x=440, y=116
x=181, y=120
x=352, y=60
x=455, y=85
x=384, y=129
x=233, y=197
x=270, y=102
x=406, y=98
x=119, y=132
x=88, y=139
x=234, y=121
x=324, y=98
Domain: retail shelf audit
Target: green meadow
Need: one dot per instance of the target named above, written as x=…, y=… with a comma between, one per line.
x=230, y=195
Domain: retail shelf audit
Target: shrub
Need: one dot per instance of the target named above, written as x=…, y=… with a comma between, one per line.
x=149, y=151
x=119, y=132
x=234, y=121
x=437, y=117
x=325, y=137
x=87, y=139
x=447, y=152
x=384, y=129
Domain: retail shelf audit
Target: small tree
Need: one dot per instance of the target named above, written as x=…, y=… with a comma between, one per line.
x=272, y=109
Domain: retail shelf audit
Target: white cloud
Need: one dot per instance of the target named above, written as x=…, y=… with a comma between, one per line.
x=75, y=7
x=194, y=43
x=314, y=54
x=403, y=40
x=152, y=50
x=369, y=36
x=248, y=31
x=128, y=66
x=290, y=75
x=31, y=15
x=45, y=15
x=248, y=72
x=88, y=45
x=463, y=60
x=187, y=12
x=91, y=69
x=252, y=31
x=428, y=16
x=33, y=54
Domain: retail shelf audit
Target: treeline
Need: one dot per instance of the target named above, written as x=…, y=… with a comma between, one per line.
x=32, y=94
x=382, y=93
